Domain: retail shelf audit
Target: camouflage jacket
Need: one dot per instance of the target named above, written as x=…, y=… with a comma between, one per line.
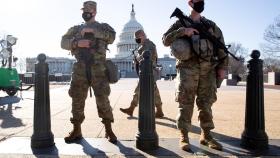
x=207, y=50
x=149, y=46
x=104, y=34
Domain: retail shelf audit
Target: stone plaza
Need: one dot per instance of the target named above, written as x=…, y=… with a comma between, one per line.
x=16, y=125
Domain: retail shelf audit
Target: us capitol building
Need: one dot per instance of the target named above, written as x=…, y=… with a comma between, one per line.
x=124, y=57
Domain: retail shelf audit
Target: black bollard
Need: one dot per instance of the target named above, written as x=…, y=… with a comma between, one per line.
x=146, y=137
x=42, y=136
x=254, y=135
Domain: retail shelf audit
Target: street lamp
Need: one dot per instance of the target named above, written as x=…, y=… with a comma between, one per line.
x=170, y=68
x=5, y=54
x=11, y=40
x=6, y=49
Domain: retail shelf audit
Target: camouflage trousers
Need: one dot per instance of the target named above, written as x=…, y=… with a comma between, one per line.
x=196, y=81
x=79, y=90
x=135, y=100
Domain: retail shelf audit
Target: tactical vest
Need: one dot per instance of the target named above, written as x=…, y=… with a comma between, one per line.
x=98, y=49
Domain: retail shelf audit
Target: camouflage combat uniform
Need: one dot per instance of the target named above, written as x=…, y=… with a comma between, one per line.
x=148, y=46
x=196, y=77
x=103, y=35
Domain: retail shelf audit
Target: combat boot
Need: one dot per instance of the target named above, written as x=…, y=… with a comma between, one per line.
x=159, y=113
x=184, y=140
x=207, y=139
x=128, y=111
x=75, y=134
x=109, y=134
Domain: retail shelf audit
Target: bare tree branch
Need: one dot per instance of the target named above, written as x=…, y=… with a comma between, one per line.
x=271, y=65
x=237, y=67
x=272, y=37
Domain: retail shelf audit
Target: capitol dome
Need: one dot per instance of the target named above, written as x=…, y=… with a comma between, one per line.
x=127, y=42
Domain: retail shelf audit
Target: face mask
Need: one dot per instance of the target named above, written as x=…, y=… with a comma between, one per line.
x=198, y=6
x=138, y=40
x=87, y=16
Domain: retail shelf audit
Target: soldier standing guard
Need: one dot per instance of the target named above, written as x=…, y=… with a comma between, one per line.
x=88, y=43
x=145, y=45
x=197, y=69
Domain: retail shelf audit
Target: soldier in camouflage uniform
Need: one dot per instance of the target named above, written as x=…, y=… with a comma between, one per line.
x=196, y=77
x=74, y=40
x=145, y=44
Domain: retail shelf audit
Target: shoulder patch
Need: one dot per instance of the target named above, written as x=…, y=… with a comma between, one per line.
x=74, y=29
x=208, y=22
x=107, y=27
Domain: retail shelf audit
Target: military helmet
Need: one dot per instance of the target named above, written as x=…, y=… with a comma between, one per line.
x=181, y=49
x=89, y=5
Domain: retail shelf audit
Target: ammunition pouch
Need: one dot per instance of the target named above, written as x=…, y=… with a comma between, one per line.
x=112, y=71
x=181, y=49
x=87, y=57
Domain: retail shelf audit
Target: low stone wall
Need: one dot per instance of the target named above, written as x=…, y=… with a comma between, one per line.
x=30, y=78
x=274, y=78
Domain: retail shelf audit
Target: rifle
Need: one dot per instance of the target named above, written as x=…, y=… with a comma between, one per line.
x=135, y=60
x=202, y=31
x=87, y=57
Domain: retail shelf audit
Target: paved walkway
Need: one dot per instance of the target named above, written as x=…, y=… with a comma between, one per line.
x=16, y=122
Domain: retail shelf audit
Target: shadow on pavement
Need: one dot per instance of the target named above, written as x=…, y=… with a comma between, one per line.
x=46, y=152
x=232, y=145
x=163, y=152
x=171, y=125
x=197, y=130
x=89, y=149
x=273, y=149
x=127, y=151
x=200, y=150
x=8, y=120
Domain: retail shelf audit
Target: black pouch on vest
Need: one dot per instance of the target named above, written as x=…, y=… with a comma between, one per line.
x=112, y=72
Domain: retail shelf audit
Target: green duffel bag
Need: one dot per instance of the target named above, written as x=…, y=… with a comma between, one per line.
x=112, y=72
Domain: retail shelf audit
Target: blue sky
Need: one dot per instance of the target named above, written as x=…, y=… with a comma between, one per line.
x=39, y=24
